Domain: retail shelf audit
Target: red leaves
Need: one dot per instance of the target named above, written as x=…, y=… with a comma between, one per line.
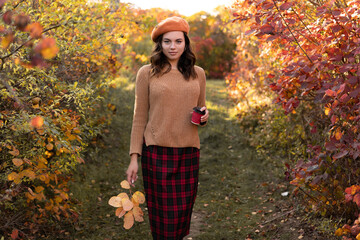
x=317, y=61
x=353, y=194
x=267, y=5
x=267, y=28
x=286, y=6
x=21, y=21
x=7, y=17
x=340, y=154
x=35, y=30
x=356, y=199
x=250, y=31
x=15, y=234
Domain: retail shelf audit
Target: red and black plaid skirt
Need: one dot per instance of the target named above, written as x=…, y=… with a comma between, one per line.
x=170, y=181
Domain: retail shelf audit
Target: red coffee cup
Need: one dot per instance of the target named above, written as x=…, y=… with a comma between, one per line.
x=196, y=116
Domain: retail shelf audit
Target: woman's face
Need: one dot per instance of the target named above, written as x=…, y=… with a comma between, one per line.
x=173, y=45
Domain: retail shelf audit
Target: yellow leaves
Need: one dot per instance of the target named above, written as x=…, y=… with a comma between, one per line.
x=127, y=204
x=125, y=184
x=327, y=111
x=128, y=220
x=338, y=134
x=17, y=162
x=138, y=214
x=39, y=189
x=28, y=173
x=17, y=177
x=124, y=204
x=36, y=102
x=14, y=152
x=14, y=177
x=49, y=146
x=342, y=231
x=123, y=195
x=139, y=197
x=120, y=212
x=7, y=40
x=115, y=202
x=47, y=48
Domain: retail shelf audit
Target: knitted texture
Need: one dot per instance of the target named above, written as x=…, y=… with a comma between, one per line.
x=168, y=25
x=163, y=107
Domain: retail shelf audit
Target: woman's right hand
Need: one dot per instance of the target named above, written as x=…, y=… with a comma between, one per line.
x=132, y=169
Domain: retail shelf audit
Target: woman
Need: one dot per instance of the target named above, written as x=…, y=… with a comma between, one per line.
x=166, y=92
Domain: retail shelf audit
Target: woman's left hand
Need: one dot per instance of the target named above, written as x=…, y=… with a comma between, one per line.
x=205, y=117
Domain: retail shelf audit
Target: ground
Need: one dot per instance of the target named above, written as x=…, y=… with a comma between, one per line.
x=239, y=196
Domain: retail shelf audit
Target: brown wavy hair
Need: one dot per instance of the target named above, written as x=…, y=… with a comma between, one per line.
x=185, y=65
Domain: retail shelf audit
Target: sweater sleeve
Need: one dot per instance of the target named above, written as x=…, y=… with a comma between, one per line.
x=141, y=109
x=202, y=81
x=202, y=96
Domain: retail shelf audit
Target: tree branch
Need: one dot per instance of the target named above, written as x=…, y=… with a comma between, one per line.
x=292, y=34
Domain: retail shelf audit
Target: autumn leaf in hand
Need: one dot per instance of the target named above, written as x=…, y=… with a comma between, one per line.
x=128, y=206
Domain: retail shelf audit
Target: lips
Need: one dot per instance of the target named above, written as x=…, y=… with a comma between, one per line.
x=172, y=53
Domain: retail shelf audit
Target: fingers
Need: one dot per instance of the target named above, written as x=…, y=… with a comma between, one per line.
x=205, y=117
x=131, y=178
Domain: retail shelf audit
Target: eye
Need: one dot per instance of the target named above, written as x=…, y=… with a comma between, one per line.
x=179, y=41
x=166, y=41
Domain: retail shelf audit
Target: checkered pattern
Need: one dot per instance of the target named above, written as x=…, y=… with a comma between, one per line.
x=170, y=181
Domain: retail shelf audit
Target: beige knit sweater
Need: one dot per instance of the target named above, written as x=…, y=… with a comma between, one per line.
x=163, y=106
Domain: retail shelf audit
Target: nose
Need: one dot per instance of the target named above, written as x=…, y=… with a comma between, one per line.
x=172, y=46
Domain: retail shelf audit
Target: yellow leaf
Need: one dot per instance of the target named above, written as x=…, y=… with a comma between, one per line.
x=125, y=184
x=40, y=196
x=139, y=197
x=358, y=237
x=127, y=204
x=28, y=173
x=120, y=212
x=327, y=111
x=47, y=48
x=30, y=196
x=135, y=201
x=31, y=191
x=115, y=202
x=64, y=195
x=128, y=220
x=49, y=146
x=123, y=195
x=5, y=42
x=14, y=152
x=17, y=162
x=15, y=177
x=39, y=189
x=138, y=214
x=12, y=176
x=338, y=134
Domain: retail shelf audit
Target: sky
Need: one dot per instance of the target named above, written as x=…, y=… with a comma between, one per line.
x=184, y=7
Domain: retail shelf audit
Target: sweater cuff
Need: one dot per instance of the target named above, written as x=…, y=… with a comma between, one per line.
x=203, y=124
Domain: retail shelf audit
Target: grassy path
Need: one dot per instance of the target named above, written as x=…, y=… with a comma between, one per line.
x=230, y=202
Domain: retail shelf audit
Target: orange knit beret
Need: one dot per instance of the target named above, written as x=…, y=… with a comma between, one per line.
x=168, y=25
